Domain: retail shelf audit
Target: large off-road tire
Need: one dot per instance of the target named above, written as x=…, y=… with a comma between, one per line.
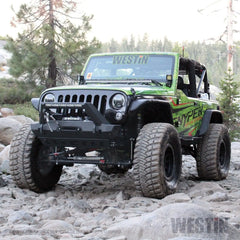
x=213, y=153
x=157, y=160
x=29, y=165
x=109, y=169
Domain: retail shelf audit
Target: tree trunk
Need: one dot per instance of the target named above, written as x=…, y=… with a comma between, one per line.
x=52, y=66
x=52, y=72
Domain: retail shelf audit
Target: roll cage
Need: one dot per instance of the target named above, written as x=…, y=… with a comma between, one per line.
x=191, y=68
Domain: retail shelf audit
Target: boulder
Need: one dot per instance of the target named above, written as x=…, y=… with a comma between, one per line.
x=54, y=214
x=6, y=112
x=204, y=189
x=4, y=167
x=87, y=171
x=22, y=119
x=4, y=160
x=217, y=197
x=26, y=237
x=176, y=198
x=2, y=147
x=8, y=127
x=174, y=220
x=57, y=225
x=2, y=183
x=4, y=154
x=81, y=205
x=20, y=216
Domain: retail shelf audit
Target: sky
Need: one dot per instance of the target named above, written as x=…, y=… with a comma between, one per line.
x=178, y=20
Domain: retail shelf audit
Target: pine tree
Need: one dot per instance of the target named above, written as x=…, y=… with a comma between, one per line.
x=229, y=105
x=51, y=44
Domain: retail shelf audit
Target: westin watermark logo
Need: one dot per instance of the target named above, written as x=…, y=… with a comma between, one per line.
x=199, y=225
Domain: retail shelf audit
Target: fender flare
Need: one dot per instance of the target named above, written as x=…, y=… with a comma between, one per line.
x=210, y=116
x=160, y=104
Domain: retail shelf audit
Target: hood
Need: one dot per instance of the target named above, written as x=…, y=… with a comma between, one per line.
x=127, y=89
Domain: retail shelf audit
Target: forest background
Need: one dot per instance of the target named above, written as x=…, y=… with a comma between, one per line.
x=51, y=51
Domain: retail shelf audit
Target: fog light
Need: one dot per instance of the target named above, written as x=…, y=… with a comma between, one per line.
x=119, y=116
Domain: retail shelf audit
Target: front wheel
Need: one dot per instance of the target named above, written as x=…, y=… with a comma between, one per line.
x=29, y=162
x=213, y=153
x=157, y=160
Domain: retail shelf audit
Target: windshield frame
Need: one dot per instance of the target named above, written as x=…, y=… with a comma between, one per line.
x=145, y=62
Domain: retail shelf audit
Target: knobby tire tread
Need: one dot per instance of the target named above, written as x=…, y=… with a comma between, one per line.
x=148, y=178
x=207, y=153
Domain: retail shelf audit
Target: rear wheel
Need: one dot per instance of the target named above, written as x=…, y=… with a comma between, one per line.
x=29, y=162
x=213, y=153
x=157, y=160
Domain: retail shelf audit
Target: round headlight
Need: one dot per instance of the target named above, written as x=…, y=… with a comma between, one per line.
x=49, y=98
x=118, y=101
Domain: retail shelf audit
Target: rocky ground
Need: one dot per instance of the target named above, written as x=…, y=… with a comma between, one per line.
x=87, y=204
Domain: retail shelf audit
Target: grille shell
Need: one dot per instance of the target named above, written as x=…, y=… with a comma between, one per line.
x=99, y=98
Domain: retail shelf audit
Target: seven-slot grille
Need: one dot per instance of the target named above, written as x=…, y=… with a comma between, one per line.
x=98, y=100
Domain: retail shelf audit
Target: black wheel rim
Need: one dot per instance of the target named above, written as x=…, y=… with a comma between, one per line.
x=222, y=157
x=169, y=163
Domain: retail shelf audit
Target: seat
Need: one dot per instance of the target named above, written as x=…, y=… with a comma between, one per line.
x=180, y=83
x=182, y=86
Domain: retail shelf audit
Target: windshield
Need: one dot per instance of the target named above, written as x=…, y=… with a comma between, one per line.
x=130, y=67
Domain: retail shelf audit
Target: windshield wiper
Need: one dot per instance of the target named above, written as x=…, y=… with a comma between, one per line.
x=147, y=81
x=156, y=82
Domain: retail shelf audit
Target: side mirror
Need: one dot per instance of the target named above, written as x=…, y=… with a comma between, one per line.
x=169, y=80
x=35, y=103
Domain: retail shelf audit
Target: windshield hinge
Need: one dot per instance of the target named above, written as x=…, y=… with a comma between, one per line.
x=81, y=79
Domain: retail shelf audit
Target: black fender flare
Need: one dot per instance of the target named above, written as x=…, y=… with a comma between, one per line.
x=210, y=116
x=161, y=105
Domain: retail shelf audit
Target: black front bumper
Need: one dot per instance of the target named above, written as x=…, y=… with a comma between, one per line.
x=93, y=132
x=77, y=134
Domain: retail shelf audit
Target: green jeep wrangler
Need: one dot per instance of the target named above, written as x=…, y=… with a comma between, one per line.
x=130, y=110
